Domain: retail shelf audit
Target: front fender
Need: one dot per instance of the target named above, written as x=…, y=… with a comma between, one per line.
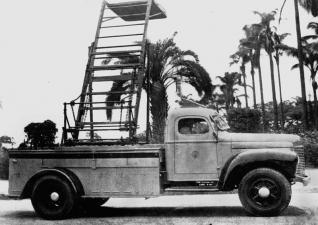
x=283, y=160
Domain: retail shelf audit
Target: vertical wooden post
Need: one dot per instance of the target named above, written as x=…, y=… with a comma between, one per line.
x=148, y=93
x=142, y=60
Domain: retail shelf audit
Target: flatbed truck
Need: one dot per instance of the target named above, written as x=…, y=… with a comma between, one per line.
x=199, y=156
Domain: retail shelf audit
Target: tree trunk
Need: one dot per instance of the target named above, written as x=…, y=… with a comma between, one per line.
x=159, y=110
x=315, y=117
x=261, y=89
x=273, y=91
x=253, y=84
x=282, y=120
x=244, y=83
x=301, y=67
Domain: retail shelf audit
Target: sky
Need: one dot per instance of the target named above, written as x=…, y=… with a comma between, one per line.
x=43, y=50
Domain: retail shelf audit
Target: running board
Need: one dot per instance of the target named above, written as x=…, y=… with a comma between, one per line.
x=191, y=189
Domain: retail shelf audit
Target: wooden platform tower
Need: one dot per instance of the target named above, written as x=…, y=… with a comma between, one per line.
x=109, y=101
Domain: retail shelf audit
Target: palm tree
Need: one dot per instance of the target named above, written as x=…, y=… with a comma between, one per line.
x=306, y=4
x=278, y=38
x=165, y=63
x=253, y=42
x=229, y=80
x=243, y=55
x=266, y=35
x=310, y=6
x=310, y=57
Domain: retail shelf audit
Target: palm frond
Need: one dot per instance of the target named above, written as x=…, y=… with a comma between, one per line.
x=196, y=76
x=310, y=37
x=290, y=51
x=310, y=6
x=314, y=26
x=295, y=66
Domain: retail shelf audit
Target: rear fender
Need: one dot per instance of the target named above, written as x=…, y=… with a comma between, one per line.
x=283, y=160
x=68, y=175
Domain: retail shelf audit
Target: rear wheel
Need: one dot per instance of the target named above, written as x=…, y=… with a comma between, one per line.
x=53, y=197
x=264, y=192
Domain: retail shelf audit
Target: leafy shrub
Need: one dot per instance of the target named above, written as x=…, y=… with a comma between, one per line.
x=4, y=164
x=311, y=155
x=244, y=120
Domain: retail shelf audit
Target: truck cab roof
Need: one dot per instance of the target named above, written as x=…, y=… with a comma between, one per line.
x=191, y=111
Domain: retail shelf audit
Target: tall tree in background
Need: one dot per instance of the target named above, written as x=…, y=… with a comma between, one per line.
x=229, y=80
x=305, y=4
x=243, y=56
x=252, y=60
x=310, y=60
x=278, y=38
x=166, y=62
x=266, y=35
x=253, y=41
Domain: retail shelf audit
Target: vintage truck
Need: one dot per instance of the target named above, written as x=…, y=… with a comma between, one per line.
x=198, y=157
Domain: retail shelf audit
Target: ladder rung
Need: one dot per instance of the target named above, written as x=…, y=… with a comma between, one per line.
x=85, y=103
x=127, y=25
x=124, y=6
x=119, y=128
x=101, y=123
x=116, y=53
x=123, y=16
x=110, y=107
x=112, y=92
x=118, y=46
x=116, y=67
x=116, y=56
x=122, y=35
x=112, y=78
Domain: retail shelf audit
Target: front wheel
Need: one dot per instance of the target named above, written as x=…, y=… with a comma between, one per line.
x=53, y=197
x=264, y=192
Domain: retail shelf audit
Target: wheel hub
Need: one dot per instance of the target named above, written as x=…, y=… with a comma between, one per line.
x=263, y=192
x=54, y=196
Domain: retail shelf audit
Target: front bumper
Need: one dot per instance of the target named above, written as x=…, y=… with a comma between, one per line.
x=302, y=179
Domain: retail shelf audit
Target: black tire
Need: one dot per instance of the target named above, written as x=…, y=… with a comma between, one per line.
x=264, y=192
x=58, y=206
x=93, y=203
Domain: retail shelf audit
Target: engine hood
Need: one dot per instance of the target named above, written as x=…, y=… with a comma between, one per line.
x=258, y=140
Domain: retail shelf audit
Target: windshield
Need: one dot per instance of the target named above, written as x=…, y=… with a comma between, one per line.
x=220, y=122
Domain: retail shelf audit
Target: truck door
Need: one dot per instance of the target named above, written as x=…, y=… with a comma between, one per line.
x=195, y=150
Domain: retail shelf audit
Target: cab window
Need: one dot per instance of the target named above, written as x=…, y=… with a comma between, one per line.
x=193, y=126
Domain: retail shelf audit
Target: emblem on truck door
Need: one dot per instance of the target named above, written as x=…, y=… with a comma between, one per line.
x=195, y=154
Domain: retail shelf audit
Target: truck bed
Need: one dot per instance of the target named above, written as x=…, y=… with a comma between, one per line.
x=104, y=171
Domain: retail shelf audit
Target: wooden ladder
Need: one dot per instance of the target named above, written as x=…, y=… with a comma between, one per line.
x=114, y=72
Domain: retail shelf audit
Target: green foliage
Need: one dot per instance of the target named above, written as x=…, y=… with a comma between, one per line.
x=41, y=134
x=229, y=87
x=311, y=155
x=4, y=163
x=6, y=139
x=244, y=120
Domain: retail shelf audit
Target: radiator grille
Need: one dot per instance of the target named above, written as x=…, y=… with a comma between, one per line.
x=301, y=160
